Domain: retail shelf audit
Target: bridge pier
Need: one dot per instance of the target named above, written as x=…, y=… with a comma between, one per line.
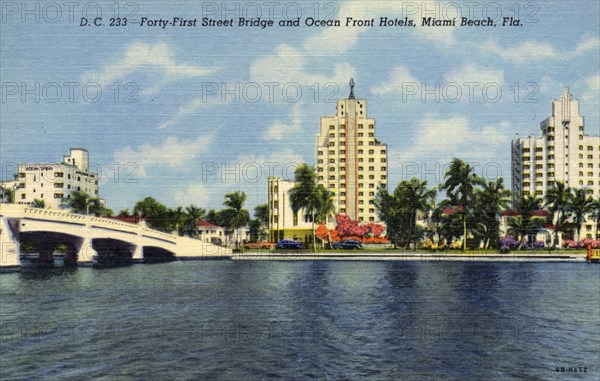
x=9, y=245
x=86, y=255
x=138, y=254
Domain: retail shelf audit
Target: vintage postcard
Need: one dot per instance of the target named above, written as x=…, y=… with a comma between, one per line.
x=299, y=190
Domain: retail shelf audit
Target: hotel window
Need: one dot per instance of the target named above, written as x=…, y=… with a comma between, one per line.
x=331, y=169
x=360, y=194
x=321, y=178
x=590, y=148
x=332, y=152
x=360, y=126
x=581, y=182
x=371, y=210
x=580, y=165
x=332, y=135
x=539, y=149
x=360, y=134
x=371, y=143
x=580, y=174
x=371, y=177
x=590, y=174
x=371, y=152
x=320, y=161
x=332, y=186
x=371, y=127
x=360, y=152
x=343, y=210
x=343, y=194
x=342, y=135
x=361, y=210
x=371, y=135
x=538, y=158
x=539, y=166
x=331, y=177
x=342, y=177
x=590, y=165
x=590, y=157
x=384, y=160
x=360, y=177
x=332, y=127
x=371, y=194
x=342, y=143
x=331, y=161
x=320, y=153
x=590, y=183
x=371, y=168
x=360, y=143
x=539, y=193
x=384, y=169
x=361, y=168
x=525, y=150
x=23, y=196
x=320, y=169
x=383, y=152
x=331, y=144
x=371, y=160
x=581, y=148
x=361, y=202
x=371, y=185
x=343, y=152
x=383, y=177
x=360, y=160
x=343, y=161
x=360, y=185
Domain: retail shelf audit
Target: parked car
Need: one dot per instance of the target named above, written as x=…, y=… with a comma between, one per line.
x=288, y=244
x=348, y=244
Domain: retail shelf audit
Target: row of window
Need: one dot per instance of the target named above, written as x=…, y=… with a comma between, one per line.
x=360, y=152
x=343, y=169
x=343, y=127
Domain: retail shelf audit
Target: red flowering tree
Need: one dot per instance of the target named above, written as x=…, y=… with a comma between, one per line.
x=350, y=229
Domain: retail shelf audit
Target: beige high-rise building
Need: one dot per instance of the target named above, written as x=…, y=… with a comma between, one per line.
x=351, y=161
x=564, y=153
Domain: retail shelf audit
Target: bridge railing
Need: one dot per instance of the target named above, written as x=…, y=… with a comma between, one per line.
x=60, y=216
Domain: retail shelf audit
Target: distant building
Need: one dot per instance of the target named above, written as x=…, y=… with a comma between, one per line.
x=211, y=233
x=283, y=223
x=53, y=183
x=564, y=153
x=351, y=161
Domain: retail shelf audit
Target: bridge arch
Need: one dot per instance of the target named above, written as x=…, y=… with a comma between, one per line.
x=154, y=254
x=46, y=243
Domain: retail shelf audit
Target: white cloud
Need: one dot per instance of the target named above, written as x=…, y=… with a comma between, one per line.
x=172, y=152
x=196, y=194
x=532, y=50
x=471, y=73
x=440, y=140
x=398, y=78
x=279, y=130
x=151, y=58
x=190, y=108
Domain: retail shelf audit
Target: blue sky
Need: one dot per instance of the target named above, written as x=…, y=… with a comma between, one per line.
x=186, y=114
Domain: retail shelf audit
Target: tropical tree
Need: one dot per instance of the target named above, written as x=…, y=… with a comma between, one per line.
x=8, y=195
x=157, y=215
x=234, y=215
x=490, y=200
x=399, y=210
x=580, y=203
x=596, y=215
x=528, y=223
x=191, y=217
x=315, y=200
x=460, y=187
x=557, y=199
x=39, y=203
x=261, y=213
x=124, y=213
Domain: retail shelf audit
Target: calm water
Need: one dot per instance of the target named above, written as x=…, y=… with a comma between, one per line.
x=318, y=320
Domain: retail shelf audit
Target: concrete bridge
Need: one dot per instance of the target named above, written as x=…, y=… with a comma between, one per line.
x=91, y=239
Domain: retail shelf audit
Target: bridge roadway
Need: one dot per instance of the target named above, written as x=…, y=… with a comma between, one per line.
x=89, y=239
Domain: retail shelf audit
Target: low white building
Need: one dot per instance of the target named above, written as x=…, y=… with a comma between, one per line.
x=211, y=233
x=53, y=183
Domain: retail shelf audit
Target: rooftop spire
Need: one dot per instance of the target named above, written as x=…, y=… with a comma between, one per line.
x=351, y=89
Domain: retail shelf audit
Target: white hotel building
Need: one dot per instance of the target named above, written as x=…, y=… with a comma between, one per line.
x=351, y=162
x=54, y=182
x=564, y=153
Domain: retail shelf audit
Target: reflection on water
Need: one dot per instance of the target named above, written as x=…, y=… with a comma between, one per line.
x=243, y=320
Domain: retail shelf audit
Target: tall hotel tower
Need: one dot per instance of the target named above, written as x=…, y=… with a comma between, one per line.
x=351, y=162
x=564, y=153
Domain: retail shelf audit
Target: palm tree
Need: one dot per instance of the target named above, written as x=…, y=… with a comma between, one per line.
x=192, y=216
x=529, y=224
x=580, y=203
x=596, y=216
x=234, y=214
x=8, y=195
x=315, y=200
x=491, y=199
x=460, y=185
x=39, y=203
x=415, y=197
x=557, y=199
